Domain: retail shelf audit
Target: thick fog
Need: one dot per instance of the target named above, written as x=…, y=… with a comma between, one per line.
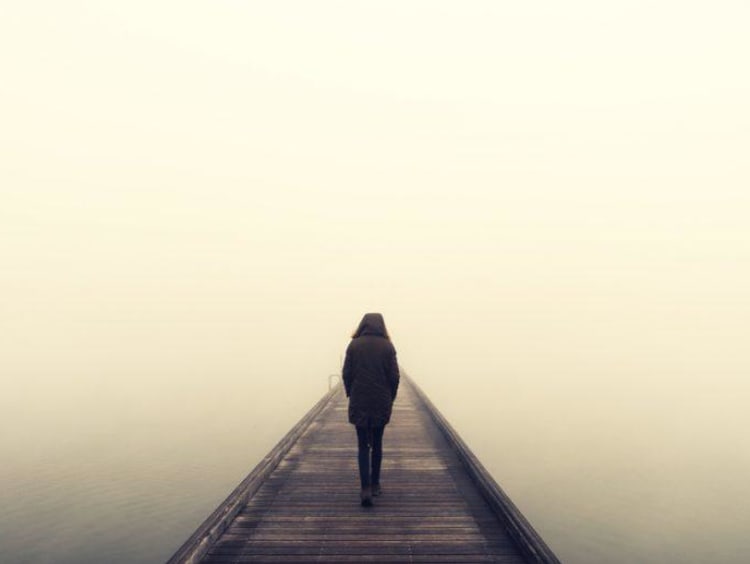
x=548, y=203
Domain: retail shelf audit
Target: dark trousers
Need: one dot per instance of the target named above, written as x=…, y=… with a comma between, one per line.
x=370, y=438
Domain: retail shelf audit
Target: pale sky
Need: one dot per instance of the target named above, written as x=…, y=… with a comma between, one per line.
x=547, y=192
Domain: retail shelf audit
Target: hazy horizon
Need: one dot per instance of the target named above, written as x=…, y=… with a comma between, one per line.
x=546, y=202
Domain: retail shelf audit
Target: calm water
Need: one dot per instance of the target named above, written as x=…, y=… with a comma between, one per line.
x=126, y=475
x=638, y=476
x=635, y=477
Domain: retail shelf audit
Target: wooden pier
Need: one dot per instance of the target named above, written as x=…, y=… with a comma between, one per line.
x=301, y=503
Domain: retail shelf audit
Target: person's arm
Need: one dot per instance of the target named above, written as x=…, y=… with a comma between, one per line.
x=394, y=375
x=347, y=373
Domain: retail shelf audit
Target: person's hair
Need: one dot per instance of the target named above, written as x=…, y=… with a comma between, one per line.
x=371, y=324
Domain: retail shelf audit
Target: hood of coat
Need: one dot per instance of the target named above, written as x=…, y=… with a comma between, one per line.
x=371, y=324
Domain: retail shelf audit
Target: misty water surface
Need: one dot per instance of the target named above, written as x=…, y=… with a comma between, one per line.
x=621, y=477
x=126, y=473
x=547, y=201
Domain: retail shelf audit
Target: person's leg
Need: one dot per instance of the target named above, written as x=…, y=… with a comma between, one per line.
x=363, y=457
x=377, y=457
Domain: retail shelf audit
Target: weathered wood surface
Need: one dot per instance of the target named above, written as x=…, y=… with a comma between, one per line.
x=435, y=506
x=533, y=548
x=214, y=526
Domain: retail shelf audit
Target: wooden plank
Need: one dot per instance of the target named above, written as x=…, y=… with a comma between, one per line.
x=524, y=535
x=212, y=528
x=305, y=508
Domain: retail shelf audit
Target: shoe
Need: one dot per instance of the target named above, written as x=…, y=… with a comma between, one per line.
x=365, y=497
x=375, y=490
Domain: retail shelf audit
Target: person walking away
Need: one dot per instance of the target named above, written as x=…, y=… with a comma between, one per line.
x=371, y=379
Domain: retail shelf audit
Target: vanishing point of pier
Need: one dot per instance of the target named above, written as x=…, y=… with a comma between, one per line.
x=300, y=504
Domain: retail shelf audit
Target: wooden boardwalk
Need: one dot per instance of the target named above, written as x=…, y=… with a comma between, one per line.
x=301, y=504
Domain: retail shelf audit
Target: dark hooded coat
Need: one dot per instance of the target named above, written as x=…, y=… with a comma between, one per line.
x=370, y=373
